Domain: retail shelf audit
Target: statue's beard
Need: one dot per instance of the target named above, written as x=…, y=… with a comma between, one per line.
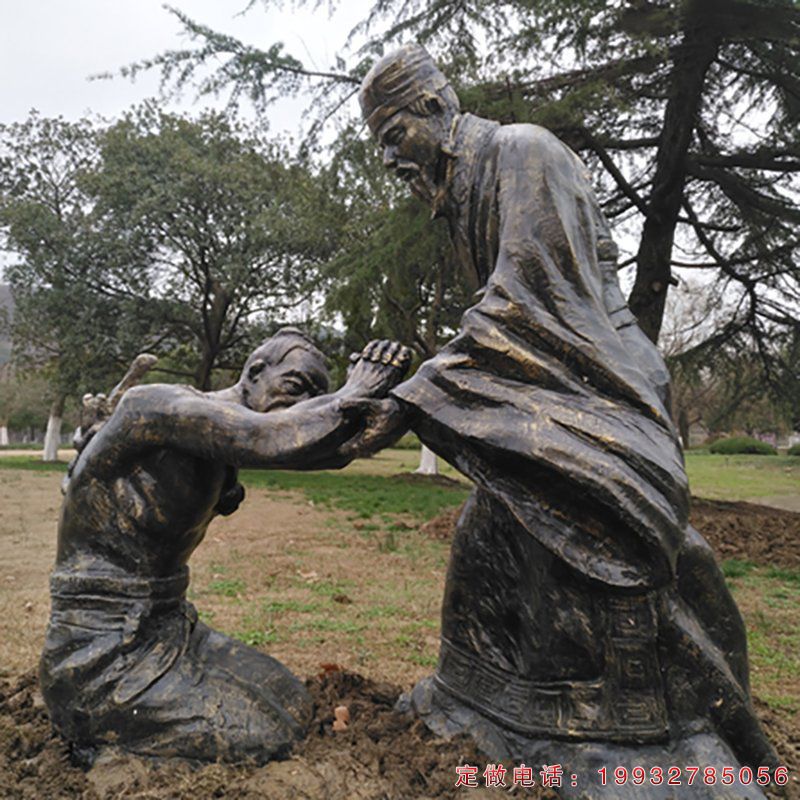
x=420, y=180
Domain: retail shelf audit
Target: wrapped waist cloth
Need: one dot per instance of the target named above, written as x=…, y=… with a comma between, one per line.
x=126, y=662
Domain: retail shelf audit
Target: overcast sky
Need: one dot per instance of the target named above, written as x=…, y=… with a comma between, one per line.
x=49, y=48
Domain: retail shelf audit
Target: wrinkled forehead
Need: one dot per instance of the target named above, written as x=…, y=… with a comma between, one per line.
x=381, y=118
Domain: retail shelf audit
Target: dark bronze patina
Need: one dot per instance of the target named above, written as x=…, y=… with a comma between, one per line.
x=584, y=621
x=126, y=661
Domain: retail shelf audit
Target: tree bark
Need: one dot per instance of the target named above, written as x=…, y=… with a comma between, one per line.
x=683, y=427
x=52, y=438
x=202, y=376
x=653, y=274
x=3, y=435
x=214, y=312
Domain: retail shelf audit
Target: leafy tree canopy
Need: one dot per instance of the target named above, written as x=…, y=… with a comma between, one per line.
x=688, y=109
x=220, y=215
x=62, y=323
x=158, y=233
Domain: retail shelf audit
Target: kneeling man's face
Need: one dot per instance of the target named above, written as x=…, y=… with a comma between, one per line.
x=267, y=387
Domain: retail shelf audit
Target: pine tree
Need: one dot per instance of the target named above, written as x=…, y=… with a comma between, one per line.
x=689, y=106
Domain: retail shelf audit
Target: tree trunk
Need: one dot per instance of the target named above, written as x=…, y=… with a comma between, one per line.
x=3, y=435
x=52, y=438
x=428, y=463
x=202, y=376
x=683, y=427
x=215, y=309
x=653, y=260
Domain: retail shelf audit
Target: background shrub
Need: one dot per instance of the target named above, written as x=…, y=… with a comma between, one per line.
x=742, y=444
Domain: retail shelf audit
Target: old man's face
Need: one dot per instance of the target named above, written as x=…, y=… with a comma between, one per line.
x=412, y=147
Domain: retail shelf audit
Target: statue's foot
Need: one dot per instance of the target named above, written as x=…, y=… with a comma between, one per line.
x=447, y=716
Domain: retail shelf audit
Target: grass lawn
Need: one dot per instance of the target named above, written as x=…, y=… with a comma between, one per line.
x=769, y=599
x=34, y=463
x=366, y=495
x=742, y=477
x=715, y=477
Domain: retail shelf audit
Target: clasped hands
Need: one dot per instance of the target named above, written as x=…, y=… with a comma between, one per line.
x=373, y=372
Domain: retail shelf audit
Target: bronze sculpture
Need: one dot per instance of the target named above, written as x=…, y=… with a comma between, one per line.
x=583, y=619
x=126, y=661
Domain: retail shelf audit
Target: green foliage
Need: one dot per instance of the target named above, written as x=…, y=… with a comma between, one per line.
x=741, y=477
x=794, y=450
x=281, y=606
x=733, y=568
x=6, y=316
x=409, y=441
x=187, y=238
x=742, y=445
x=790, y=576
x=228, y=587
x=686, y=110
x=32, y=464
x=256, y=637
x=25, y=399
x=68, y=323
x=390, y=272
x=221, y=214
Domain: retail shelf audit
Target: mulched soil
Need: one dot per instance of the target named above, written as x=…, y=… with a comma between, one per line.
x=382, y=754
x=748, y=532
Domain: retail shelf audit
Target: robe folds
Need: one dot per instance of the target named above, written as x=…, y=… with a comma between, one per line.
x=580, y=604
x=126, y=663
x=550, y=392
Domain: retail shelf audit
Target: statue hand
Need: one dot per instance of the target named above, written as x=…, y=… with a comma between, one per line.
x=379, y=367
x=383, y=423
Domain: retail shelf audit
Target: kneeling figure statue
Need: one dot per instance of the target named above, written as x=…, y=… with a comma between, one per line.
x=126, y=661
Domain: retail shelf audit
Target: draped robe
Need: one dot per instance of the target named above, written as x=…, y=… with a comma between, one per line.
x=552, y=400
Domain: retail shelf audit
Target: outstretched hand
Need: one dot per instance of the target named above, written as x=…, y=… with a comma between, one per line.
x=379, y=367
x=97, y=408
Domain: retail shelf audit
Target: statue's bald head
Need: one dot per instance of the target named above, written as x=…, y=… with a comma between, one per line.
x=405, y=78
x=283, y=370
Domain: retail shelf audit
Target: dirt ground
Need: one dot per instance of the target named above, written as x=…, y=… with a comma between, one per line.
x=318, y=590
x=749, y=532
x=381, y=755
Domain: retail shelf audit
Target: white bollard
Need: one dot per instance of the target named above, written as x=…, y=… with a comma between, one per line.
x=428, y=463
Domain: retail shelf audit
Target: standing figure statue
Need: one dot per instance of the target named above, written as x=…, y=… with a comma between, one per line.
x=126, y=661
x=584, y=621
